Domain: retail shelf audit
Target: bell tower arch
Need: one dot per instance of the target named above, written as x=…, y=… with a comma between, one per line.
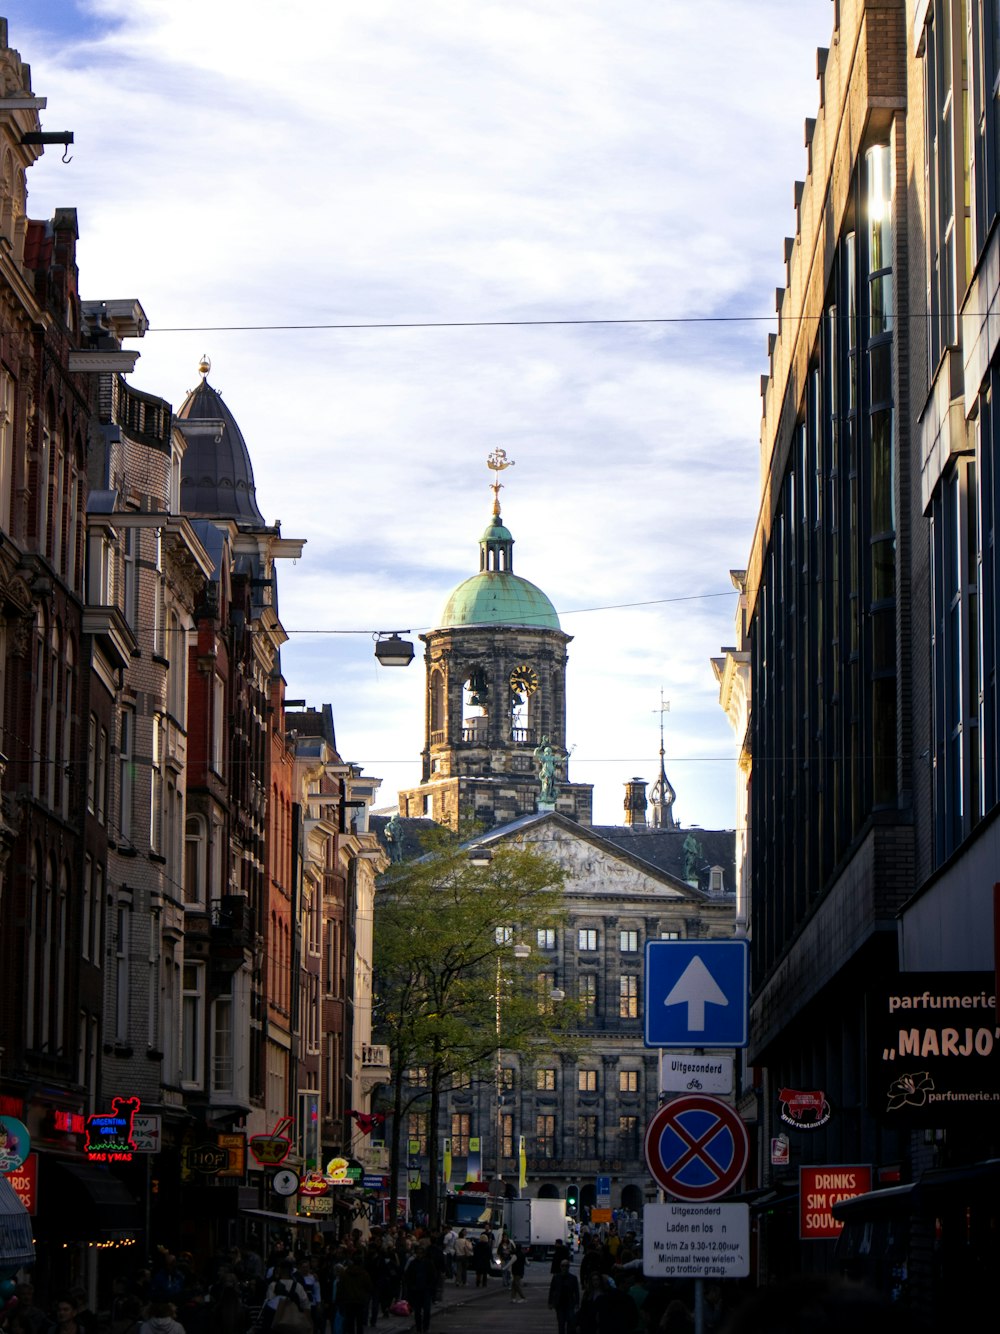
x=495, y=695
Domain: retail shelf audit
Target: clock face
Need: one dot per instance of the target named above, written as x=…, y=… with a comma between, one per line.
x=285, y=1182
x=524, y=678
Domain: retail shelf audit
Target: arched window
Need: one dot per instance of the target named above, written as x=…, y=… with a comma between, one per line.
x=32, y=943
x=38, y=718
x=68, y=716
x=53, y=719
x=437, y=702
x=61, y=932
x=195, y=861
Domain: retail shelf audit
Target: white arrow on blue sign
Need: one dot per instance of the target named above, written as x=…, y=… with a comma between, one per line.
x=696, y=993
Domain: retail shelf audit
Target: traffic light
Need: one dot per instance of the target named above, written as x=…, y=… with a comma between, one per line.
x=572, y=1199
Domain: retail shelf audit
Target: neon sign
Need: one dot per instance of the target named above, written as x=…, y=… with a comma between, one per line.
x=109, y=1134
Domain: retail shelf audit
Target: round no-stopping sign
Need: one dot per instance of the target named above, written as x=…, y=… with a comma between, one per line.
x=696, y=1147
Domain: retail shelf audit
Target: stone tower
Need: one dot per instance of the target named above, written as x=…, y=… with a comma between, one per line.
x=495, y=702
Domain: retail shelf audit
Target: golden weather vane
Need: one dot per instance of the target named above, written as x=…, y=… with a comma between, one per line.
x=497, y=462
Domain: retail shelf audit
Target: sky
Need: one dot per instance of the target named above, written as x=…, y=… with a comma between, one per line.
x=485, y=165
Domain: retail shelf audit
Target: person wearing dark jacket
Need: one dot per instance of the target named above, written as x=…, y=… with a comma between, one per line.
x=420, y=1278
x=564, y=1297
x=559, y=1254
x=482, y=1255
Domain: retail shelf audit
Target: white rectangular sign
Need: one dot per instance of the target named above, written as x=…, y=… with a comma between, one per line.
x=686, y=1073
x=696, y=1240
x=146, y=1134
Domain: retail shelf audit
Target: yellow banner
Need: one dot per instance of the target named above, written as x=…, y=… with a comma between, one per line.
x=522, y=1158
x=446, y=1162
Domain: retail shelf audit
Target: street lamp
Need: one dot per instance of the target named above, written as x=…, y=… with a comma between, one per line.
x=519, y=951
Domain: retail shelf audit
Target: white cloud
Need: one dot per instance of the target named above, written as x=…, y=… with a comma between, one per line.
x=375, y=160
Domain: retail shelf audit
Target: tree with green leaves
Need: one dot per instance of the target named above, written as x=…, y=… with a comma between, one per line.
x=453, y=988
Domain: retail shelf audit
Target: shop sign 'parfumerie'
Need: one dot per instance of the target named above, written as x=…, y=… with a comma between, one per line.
x=934, y=1048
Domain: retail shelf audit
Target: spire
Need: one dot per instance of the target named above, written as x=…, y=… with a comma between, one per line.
x=663, y=796
x=496, y=546
x=496, y=463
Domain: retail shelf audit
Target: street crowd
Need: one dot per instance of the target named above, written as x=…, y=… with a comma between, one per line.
x=353, y=1284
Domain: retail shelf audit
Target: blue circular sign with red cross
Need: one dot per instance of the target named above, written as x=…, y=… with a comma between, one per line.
x=696, y=1147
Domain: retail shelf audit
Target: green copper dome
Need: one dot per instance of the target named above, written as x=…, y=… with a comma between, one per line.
x=497, y=596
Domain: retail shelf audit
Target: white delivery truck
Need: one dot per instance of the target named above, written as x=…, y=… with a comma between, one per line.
x=536, y=1224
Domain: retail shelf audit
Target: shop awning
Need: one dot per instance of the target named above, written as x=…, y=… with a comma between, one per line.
x=272, y=1216
x=16, y=1245
x=83, y=1201
x=936, y=1188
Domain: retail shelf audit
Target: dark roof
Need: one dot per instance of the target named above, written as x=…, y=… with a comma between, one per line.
x=414, y=828
x=664, y=849
x=216, y=476
x=313, y=722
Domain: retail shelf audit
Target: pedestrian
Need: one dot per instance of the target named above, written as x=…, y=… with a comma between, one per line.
x=463, y=1254
x=482, y=1258
x=505, y=1254
x=66, y=1318
x=559, y=1254
x=282, y=1286
x=564, y=1298
x=420, y=1284
x=162, y=1320
x=448, y=1247
x=354, y=1295
x=517, y=1267
x=32, y=1317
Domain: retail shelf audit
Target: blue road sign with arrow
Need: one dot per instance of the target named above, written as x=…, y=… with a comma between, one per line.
x=696, y=993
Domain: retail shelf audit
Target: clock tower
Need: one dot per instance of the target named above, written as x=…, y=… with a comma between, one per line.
x=495, y=702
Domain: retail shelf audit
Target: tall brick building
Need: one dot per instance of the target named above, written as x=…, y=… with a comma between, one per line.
x=869, y=626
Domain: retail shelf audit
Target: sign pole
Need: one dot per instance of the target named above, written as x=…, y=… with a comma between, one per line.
x=699, y=1306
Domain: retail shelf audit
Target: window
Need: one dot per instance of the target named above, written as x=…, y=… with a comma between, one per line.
x=545, y=1136
x=586, y=1081
x=416, y=1131
x=417, y=1074
x=628, y=942
x=586, y=1136
x=87, y=906
x=504, y=935
x=545, y=984
x=628, y=997
x=945, y=173
x=192, y=1023
x=628, y=1081
x=130, y=590
x=545, y=1080
x=126, y=774
x=588, y=994
x=92, y=765
x=546, y=938
x=222, y=1045
x=461, y=1124
x=506, y=1135
x=586, y=939
x=218, y=724
x=156, y=788
x=195, y=861
x=101, y=776
x=507, y=1077
x=628, y=1136
x=6, y=449
x=957, y=654
x=121, y=974
x=461, y=1081
x=97, y=916
x=670, y=935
